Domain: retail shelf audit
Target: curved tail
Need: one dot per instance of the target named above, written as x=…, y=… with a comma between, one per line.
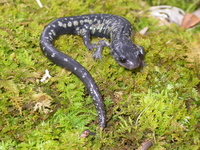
x=63, y=60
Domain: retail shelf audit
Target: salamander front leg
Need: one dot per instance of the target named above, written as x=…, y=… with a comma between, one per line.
x=99, y=49
x=91, y=46
x=86, y=39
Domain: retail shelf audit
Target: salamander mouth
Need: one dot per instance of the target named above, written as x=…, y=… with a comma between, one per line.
x=130, y=65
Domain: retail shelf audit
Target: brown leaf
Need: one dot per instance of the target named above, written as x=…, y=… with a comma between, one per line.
x=190, y=20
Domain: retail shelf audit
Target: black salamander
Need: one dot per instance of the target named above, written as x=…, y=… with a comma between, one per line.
x=117, y=29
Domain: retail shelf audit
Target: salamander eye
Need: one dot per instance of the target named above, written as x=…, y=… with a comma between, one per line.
x=122, y=59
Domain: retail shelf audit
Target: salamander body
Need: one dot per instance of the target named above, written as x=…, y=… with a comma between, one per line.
x=117, y=29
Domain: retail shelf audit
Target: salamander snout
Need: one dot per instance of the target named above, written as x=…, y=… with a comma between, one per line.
x=129, y=56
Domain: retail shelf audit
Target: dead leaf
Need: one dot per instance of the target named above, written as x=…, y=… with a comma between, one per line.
x=197, y=12
x=168, y=14
x=144, y=31
x=190, y=20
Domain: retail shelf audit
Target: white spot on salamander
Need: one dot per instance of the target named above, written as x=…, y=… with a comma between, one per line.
x=75, y=68
x=60, y=24
x=90, y=21
x=93, y=30
x=81, y=22
x=50, y=37
x=75, y=23
x=53, y=32
x=95, y=19
x=86, y=20
x=65, y=59
x=53, y=55
x=77, y=29
x=84, y=75
x=69, y=24
x=64, y=25
x=91, y=90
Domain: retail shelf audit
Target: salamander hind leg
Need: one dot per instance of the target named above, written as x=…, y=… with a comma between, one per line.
x=99, y=49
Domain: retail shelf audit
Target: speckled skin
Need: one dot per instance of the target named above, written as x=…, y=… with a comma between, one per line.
x=117, y=29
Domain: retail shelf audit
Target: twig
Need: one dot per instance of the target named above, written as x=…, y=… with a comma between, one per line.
x=142, y=113
x=39, y=3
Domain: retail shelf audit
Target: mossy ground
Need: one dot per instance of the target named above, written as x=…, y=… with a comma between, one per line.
x=160, y=104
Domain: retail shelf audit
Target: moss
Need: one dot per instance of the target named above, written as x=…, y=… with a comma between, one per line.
x=161, y=103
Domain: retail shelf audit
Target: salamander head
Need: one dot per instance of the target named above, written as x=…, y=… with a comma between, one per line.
x=128, y=55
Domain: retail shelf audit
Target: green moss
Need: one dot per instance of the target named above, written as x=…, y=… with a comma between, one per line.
x=161, y=103
x=189, y=6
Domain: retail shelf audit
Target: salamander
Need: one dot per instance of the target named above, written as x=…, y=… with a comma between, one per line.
x=116, y=29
